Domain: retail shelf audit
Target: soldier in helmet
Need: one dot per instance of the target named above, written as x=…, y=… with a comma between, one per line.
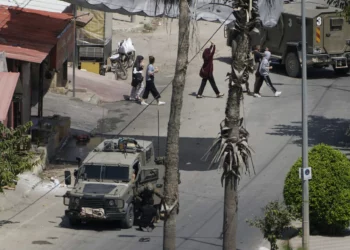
x=145, y=192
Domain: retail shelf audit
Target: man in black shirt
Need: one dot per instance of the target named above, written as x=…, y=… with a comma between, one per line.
x=148, y=216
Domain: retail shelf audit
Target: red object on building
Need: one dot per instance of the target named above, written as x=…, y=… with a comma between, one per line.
x=8, y=83
x=30, y=35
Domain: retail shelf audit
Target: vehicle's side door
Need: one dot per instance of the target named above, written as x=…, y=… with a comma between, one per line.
x=153, y=174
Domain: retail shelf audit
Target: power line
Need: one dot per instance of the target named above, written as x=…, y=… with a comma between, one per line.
x=49, y=191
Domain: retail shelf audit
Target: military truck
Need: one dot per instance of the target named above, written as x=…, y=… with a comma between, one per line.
x=328, y=38
x=105, y=181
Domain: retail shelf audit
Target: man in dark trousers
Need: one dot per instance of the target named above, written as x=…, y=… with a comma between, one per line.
x=148, y=216
x=206, y=72
x=258, y=78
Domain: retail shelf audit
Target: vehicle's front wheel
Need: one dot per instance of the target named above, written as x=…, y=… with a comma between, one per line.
x=292, y=65
x=128, y=221
x=341, y=71
x=120, y=71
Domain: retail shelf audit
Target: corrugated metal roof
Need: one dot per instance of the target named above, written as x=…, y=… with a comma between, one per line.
x=29, y=35
x=45, y=5
x=8, y=82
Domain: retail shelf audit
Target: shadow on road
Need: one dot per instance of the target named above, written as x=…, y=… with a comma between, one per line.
x=98, y=226
x=191, y=149
x=5, y=222
x=224, y=59
x=312, y=73
x=331, y=131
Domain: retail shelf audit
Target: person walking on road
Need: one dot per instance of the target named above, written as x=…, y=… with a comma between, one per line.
x=258, y=56
x=137, y=78
x=150, y=86
x=264, y=70
x=206, y=72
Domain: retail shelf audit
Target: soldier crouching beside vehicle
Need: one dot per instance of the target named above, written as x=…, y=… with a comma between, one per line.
x=144, y=196
x=148, y=216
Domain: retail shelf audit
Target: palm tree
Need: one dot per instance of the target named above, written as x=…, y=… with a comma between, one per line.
x=231, y=150
x=171, y=181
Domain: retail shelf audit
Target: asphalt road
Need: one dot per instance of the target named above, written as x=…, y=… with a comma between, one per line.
x=274, y=126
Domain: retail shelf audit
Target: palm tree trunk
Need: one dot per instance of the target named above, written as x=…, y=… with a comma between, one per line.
x=230, y=199
x=172, y=151
x=241, y=67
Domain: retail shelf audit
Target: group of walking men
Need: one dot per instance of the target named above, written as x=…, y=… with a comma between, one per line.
x=141, y=89
x=262, y=69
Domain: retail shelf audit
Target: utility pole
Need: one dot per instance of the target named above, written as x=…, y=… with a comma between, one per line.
x=305, y=182
x=75, y=46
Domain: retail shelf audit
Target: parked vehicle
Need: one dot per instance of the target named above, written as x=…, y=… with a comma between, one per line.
x=105, y=181
x=328, y=38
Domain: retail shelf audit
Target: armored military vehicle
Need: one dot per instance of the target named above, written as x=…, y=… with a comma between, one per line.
x=105, y=181
x=328, y=38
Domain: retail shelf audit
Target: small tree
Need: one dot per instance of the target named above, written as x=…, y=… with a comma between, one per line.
x=15, y=157
x=329, y=190
x=276, y=219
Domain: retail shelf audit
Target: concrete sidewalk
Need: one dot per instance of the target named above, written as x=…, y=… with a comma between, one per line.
x=95, y=88
x=323, y=243
x=28, y=189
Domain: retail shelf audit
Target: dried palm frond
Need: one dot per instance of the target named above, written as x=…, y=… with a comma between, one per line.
x=232, y=157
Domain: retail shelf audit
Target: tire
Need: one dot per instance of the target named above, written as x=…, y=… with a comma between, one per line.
x=292, y=65
x=342, y=71
x=131, y=59
x=128, y=221
x=74, y=222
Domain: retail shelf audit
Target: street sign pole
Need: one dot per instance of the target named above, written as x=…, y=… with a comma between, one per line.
x=305, y=182
x=75, y=46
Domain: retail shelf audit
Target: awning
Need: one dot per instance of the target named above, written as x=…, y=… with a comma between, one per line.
x=34, y=54
x=8, y=83
x=200, y=9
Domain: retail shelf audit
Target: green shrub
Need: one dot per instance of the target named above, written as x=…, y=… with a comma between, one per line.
x=15, y=157
x=329, y=190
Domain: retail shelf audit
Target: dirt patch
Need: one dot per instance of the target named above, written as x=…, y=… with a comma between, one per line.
x=56, y=171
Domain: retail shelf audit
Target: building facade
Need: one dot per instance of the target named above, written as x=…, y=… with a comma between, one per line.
x=37, y=49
